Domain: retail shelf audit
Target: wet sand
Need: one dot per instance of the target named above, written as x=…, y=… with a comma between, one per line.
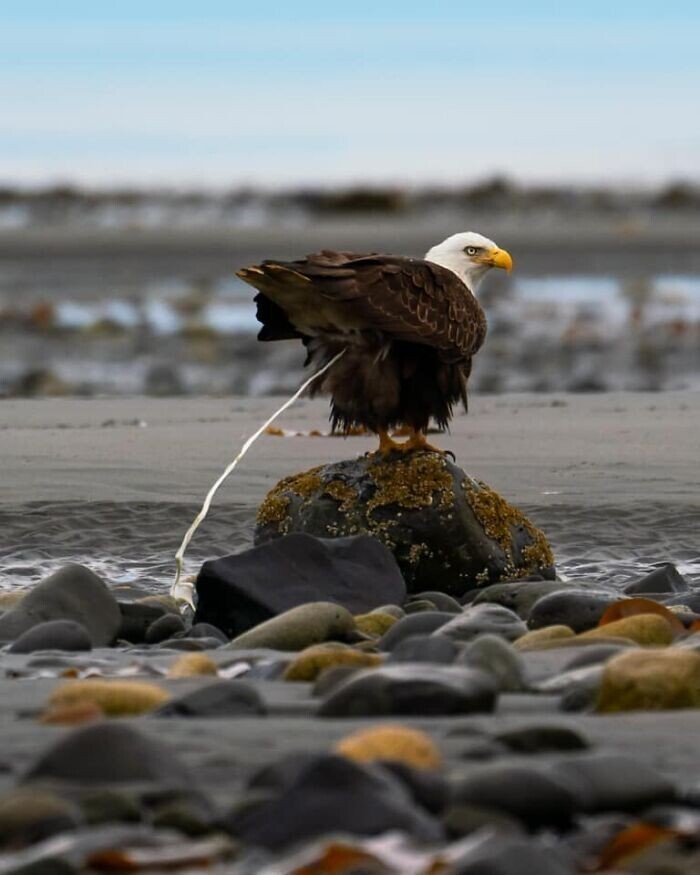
x=613, y=479
x=587, y=450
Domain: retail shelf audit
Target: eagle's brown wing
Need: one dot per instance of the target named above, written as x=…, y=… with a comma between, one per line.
x=409, y=299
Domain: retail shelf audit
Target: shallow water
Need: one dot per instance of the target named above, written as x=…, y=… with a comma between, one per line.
x=135, y=542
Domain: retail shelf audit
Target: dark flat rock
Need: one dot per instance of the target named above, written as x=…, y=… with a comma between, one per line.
x=411, y=688
x=666, y=579
x=525, y=792
x=107, y=753
x=218, y=699
x=332, y=794
x=238, y=592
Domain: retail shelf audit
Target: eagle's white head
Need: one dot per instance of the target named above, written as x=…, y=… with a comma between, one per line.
x=470, y=256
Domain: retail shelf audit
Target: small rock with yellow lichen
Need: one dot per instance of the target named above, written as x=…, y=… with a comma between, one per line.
x=651, y=680
x=649, y=630
x=192, y=665
x=447, y=531
x=391, y=742
x=375, y=624
x=309, y=664
x=534, y=639
x=115, y=698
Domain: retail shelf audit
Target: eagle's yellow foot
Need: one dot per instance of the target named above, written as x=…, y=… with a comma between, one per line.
x=418, y=441
x=386, y=444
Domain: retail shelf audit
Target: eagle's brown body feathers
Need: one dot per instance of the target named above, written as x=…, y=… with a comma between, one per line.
x=410, y=328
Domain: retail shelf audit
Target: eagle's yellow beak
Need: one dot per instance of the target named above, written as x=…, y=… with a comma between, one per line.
x=499, y=258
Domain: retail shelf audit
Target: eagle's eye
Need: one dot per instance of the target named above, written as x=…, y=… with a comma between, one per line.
x=471, y=250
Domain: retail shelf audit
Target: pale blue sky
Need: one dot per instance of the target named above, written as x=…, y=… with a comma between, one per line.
x=227, y=93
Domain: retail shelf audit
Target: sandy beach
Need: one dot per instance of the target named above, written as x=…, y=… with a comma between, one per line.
x=541, y=450
x=611, y=478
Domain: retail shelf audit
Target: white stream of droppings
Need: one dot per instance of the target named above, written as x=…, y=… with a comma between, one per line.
x=182, y=589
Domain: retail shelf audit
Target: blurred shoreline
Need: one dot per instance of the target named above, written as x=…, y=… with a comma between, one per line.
x=106, y=296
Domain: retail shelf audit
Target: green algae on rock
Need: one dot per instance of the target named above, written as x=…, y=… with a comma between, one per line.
x=447, y=531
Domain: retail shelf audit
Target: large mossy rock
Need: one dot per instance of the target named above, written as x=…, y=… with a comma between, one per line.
x=447, y=531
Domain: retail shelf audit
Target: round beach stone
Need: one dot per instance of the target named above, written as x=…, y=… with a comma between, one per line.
x=526, y=792
x=542, y=738
x=109, y=752
x=640, y=680
x=483, y=619
x=499, y=659
x=71, y=593
x=614, y=782
x=164, y=627
x=441, y=600
x=28, y=816
x=136, y=619
x=411, y=689
x=298, y=628
x=413, y=624
x=425, y=648
x=519, y=595
x=226, y=698
x=580, y=609
x=53, y=635
x=447, y=531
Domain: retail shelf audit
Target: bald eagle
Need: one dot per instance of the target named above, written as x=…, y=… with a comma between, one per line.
x=410, y=328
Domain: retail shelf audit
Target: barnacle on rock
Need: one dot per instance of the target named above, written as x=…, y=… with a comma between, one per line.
x=276, y=503
x=419, y=480
x=498, y=519
x=342, y=492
